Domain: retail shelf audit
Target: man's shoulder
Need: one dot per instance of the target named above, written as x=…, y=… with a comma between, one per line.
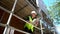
x=27, y=17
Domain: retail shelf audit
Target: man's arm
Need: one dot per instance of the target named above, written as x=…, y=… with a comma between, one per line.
x=35, y=22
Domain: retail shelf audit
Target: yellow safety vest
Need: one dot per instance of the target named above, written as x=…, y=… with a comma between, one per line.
x=29, y=25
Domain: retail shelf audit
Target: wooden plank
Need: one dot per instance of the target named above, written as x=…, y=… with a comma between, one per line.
x=1, y=13
x=5, y=16
x=16, y=32
x=15, y=22
x=7, y=4
x=1, y=30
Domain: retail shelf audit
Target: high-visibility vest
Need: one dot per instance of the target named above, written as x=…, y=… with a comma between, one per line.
x=29, y=25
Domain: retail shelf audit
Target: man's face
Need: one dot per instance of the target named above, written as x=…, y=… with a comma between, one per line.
x=33, y=15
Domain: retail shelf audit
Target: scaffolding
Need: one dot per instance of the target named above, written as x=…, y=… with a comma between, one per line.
x=12, y=14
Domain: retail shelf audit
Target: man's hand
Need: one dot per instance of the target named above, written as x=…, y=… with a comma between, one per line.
x=36, y=24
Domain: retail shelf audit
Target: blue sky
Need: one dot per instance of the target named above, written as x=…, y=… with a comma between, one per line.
x=49, y=3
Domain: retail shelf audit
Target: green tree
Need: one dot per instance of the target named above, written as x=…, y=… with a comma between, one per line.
x=55, y=12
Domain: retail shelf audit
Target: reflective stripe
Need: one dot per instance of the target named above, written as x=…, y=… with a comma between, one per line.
x=30, y=19
x=29, y=25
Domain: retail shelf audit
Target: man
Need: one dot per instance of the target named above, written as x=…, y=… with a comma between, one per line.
x=32, y=21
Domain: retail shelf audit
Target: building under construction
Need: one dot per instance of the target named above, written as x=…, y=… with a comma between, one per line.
x=13, y=12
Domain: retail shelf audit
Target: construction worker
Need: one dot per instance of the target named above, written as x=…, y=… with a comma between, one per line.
x=32, y=21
